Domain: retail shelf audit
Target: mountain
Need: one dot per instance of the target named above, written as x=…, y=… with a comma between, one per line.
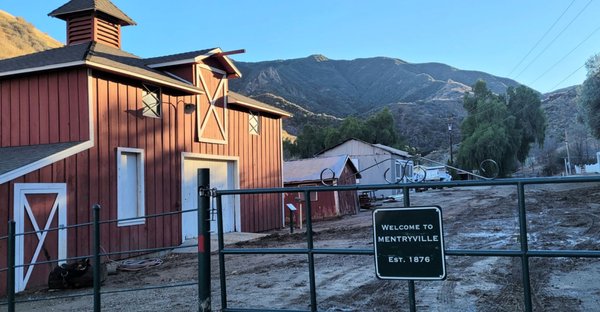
x=19, y=37
x=322, y=91
x=342, y=88
x=421, y=96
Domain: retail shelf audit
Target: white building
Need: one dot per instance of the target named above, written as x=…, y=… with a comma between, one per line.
x=372, y=161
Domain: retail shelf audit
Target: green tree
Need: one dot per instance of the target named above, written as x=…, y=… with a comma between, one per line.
x=379, y=128
x=589, y=95
x=500, y=129
x=530, y=121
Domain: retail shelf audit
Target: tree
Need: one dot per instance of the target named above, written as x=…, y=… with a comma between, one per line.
x=530, y=121
x=589, y=95
x=379, y=128
x=499, y=127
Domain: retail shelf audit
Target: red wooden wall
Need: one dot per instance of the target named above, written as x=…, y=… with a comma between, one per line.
x=53, y=107
x=44, y=108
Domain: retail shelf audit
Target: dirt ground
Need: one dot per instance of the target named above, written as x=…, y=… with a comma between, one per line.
x=559, y=217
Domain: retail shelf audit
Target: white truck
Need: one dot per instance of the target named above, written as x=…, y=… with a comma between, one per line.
x=437, y=174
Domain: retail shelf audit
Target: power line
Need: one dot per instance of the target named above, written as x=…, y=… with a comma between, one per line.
x=564, y=57
x=553, y=40
x=569, y=76
x=542, y=38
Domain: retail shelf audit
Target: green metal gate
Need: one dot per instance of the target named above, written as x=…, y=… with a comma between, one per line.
x=524, y=253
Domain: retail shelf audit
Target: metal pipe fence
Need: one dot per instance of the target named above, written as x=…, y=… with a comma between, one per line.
x=204, y=283
x=524, y=253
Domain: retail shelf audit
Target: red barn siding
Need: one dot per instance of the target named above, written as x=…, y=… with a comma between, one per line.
x=57, y=110
x=44, y=108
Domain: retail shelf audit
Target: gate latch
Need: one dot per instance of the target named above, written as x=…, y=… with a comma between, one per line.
x=207, y=192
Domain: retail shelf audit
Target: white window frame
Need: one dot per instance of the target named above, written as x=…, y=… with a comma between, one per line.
x=152, y=110
x=254, y=130
x=141, y=209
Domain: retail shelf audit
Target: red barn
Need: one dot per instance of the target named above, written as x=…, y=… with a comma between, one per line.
x=89, y=123
x=337, y=170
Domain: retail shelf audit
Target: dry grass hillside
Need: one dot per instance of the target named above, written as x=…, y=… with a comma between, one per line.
x=19, y=37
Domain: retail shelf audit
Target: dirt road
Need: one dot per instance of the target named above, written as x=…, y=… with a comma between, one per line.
x=559, y=217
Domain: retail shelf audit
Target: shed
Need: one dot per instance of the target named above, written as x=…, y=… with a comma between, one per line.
x=336, y=170
x=373, y=160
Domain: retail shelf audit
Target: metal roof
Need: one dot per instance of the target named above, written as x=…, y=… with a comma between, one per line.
x=379, y=146
x=392, y=150
x=309, y=170
x=104, y=6
x=236, y=98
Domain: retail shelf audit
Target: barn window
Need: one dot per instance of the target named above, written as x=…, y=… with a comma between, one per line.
x=130, y=186
x=313, y=195
x=254, y=123
x=151, y=101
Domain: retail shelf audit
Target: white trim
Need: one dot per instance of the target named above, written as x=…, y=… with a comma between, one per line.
x=11, y=175
x=141, y=208
x=177, y=77
x=216, y=70
x=59, y=206
x=211, y=109
x=41, y=68
x=281, y=172
x=127, y=73
x=197, y=59
x=260, y=108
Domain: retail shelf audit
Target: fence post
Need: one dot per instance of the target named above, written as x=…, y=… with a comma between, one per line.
x=10, y=287
x=204, y=303
x=96, y=267
x=411, y=284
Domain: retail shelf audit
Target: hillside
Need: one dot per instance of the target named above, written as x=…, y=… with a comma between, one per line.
x=19, y=37
x=342, y=88
x=322, y=91
x=421, y=96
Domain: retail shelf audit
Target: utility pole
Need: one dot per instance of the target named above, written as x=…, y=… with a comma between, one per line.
x=568, y=169
x=450, y=136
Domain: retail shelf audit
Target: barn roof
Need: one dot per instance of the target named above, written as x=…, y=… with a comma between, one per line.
x=236, y=98
x=309, y=170
x=19, y=160
x=94, y=55
x=80, y=6
x=196, y=57
x=382, y=147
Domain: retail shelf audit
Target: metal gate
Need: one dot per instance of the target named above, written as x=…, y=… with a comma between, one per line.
x=524, y=253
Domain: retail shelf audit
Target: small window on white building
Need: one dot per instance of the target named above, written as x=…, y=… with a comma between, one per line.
x=151, y=101
x=254, y=123
x=130, y=186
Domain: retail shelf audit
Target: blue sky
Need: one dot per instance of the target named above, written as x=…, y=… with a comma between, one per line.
x=492, y=36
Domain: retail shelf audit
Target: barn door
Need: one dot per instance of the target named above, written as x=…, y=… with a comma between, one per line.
x=222, y=177
x=39, y=207
x=212, y=111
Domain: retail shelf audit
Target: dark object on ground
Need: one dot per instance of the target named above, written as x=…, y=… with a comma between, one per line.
x=74, y=275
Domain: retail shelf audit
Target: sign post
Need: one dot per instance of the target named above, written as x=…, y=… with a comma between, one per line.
x=409, y=243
